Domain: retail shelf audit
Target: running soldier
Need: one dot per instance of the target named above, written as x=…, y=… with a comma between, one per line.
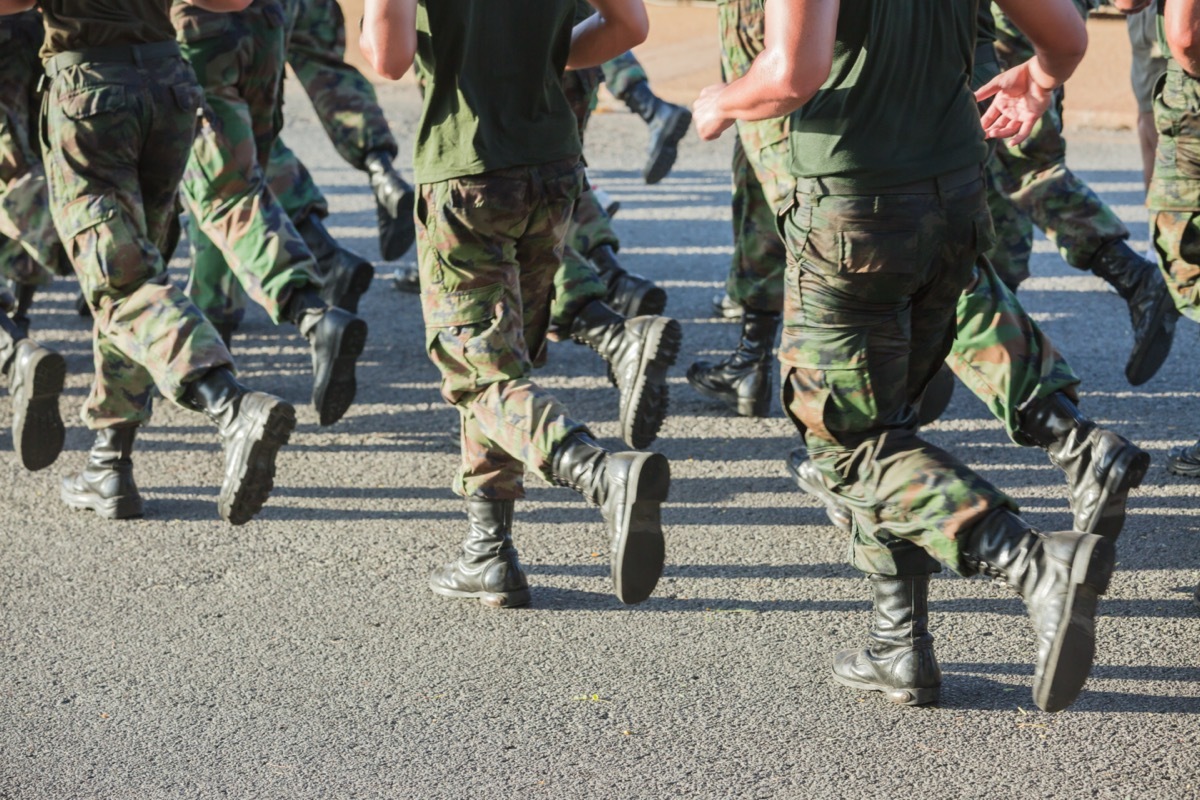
x=492, y=214
x=887, y=223
x=668, y=123
x=119, y=117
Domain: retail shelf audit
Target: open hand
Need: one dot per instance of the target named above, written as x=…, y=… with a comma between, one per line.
x=1019, y=101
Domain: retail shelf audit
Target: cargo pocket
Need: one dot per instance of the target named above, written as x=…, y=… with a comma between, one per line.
x=93, y=101
x=196, y=24
x=465, y=338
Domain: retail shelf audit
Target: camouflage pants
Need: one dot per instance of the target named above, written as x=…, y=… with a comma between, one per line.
x=117, y=141
x=623, y=73
x=488, y=249
x=242, y=239
x=1174, y=196
x=871, y=292
x=1032, y=185
x=344, y=100
x=30, y=253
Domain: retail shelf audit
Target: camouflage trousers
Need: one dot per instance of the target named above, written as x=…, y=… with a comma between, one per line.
x=1174, y=196
x=116, y=143
x=243, y=242
x=488, y=249
x=344, y=100
x=871, y=292
x=623, y=73
x=30, y=252
x=1031, y=185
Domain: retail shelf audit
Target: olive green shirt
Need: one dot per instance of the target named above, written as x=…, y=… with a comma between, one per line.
x=897, y=106
x=83, y=24
x=492, y=71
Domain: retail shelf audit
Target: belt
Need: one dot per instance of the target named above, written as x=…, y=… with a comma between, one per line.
x=137, y=54
x=935, y=185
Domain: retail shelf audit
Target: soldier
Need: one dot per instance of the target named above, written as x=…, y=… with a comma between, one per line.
x=491, y=219
x=887, y=223
x=1174, y=196
x=347, y=107
x=241, y=237
x=668, y=123
x=1034, y=186
x=30, y=252
x=119, y=117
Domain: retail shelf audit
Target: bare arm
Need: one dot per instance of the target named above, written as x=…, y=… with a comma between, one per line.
x=220, y=5
x=389, y=36
x=1023, y=93
x=617, y=26
x=15, y=6
x=1181, y=19
x=796, y=58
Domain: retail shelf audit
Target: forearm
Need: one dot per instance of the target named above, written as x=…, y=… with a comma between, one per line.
x=1183, y=33
x=1058, y=35
x=770, y=88
x=603, y=36
x=389, y=36
x=15, y=6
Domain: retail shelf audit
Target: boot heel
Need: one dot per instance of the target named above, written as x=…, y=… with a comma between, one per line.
x=1093, y=564
x=914, y=697
x=754, y=406
x=638, y=556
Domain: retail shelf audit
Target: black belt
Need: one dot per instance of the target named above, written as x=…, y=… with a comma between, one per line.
x=936, y=185
x=137, y=54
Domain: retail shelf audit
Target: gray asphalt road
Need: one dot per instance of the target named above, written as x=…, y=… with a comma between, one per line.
x=302, y=656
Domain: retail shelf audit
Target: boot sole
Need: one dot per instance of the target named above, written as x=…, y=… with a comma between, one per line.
x=348, y=290
x=240, y=501
x=645, y=407
x=1181, y=466
x=1145, y=361
x=1124, y=475
x=663, y=158
x=1070, y=659
x=839, y=516
x=900, y=696
x=334, y=398
x=38, y=430
x=742, y=406
x=638, y=549
x=515, y=599
x=722, y=311
x=396, y=237
x=127, y=507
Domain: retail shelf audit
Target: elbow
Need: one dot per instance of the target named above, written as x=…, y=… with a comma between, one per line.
x=392, y=65
x=1184, y=43
x=801, y=84
x=239, y=5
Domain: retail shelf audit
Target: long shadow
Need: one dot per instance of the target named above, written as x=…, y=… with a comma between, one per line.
x=976, y=693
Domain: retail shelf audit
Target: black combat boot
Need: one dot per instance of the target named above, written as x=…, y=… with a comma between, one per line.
x=899, y=660
x=1060, y=577
x=668, y=123
x=407, y=280
x=36, y=375
x=345, y=276
x=106, y=484
x=639, y=352
x=725, y=307
x=742, y=380
x=1184, y=461
x=809, y=479
x=630, y=489
x=1151, y=309
x=936, y=398
x=253, y=426
x=81, y=306
x=226, y=331
x=393, y=204
x=628, y=294
x=337, y=339
x=1101, y=466
x=20, y=313
x=488, y=567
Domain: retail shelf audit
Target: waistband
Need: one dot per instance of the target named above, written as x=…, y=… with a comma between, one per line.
x=138, y=54
x=938, y=184
x=985, y=53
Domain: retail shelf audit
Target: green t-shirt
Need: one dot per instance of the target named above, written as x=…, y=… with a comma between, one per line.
x=83, y=24
x=897, y=106
x=492, y=71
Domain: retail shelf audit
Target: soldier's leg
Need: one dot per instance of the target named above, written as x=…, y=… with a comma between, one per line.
x=482, y=322
x=1010, y=255
x=667, y=122
x=1177, y=239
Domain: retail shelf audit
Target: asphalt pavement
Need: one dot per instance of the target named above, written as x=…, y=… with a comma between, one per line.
x=303, y=656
